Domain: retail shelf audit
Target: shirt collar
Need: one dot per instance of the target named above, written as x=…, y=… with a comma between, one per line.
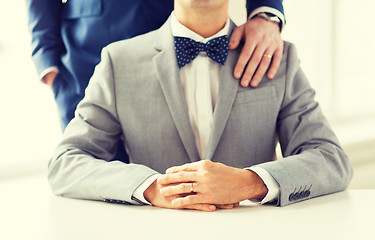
x=179, y=30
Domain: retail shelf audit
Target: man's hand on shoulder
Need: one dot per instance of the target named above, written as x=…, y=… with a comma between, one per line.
x=262, y=49
x=211, y=183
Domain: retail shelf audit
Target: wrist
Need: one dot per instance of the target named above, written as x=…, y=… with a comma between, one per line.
x=256, y=189
x=270, y=18
x=150, y=193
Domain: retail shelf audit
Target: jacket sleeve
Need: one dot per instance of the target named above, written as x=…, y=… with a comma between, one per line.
x=44, y=25
x=313, y=162
x=251, y=5
x=81, y=166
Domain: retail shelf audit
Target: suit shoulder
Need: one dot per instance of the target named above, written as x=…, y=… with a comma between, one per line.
x=136, y=45
x=289, y=52
x=289, y=60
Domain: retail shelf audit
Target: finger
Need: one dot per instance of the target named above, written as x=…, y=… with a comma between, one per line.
x=182, y=188
x=236, y=37
x=243, y=59
x=261, y=70
x=236, y=205
x=276, y=59
x=178, y=177
x=251, y=67
x=186, y=167
x=195, y=166
x=201, y=207
x=225, y=206
x=188, y=200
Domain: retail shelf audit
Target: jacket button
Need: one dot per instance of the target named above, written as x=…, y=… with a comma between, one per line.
x=298, y=196
x=291, y=197
x=308, y=193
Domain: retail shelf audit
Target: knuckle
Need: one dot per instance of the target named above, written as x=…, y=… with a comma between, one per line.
x=164, y=179
x=264, y=64
x=184, y=201
x=203, y=163
x=205, y=174
x=255, y=33
x=256, y=59
x=244, y=58
x=179, y=175
x=168, y=178
x=249, y=73
x=177, y=203
x=255, y=80
x=246, y=54
x=165, y=192
x=206, y=163
x=265, y=61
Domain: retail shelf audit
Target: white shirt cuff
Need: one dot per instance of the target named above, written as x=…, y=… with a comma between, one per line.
x=269, y=10
x=138, y=193
x=270, y=182
x=48, y=70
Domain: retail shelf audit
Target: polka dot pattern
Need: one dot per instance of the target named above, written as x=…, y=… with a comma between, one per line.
x=187, y=49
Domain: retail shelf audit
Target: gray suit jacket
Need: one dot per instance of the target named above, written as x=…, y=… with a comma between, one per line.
x=135, y=93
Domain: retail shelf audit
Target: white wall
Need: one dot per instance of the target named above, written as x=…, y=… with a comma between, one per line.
x=335, y=45
x=335, y=41
x=29, y=128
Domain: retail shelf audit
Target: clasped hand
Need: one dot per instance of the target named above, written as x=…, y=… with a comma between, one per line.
x=214, y=185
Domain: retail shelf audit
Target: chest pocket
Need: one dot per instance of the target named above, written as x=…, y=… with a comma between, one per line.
x=255, y=95
x=81, y=8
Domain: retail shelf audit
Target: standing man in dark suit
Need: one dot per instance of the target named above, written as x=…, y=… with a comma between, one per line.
x=68, y=35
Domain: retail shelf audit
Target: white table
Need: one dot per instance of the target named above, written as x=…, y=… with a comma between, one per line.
x=28, y=210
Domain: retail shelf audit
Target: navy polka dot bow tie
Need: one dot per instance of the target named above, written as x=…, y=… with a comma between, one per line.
x=187, y=49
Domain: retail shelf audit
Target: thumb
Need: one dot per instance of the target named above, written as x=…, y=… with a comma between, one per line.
x=236, y=37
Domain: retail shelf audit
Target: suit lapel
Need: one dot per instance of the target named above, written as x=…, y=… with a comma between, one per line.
x=169, y=78
x=228, y=86
x=227, y=93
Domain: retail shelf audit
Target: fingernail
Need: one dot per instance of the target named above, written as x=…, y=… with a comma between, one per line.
x=237, y=74
x=212, y=208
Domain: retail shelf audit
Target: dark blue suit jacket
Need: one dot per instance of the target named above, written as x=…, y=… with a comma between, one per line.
x=71, y=35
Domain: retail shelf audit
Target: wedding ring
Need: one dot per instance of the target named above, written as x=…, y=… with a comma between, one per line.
x=192, y=188
x=267, y=55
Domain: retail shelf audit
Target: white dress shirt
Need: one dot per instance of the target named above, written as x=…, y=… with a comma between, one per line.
x=274, y=11
x=200, y=83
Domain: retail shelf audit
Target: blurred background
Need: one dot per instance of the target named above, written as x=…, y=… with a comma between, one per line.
x=335, y=41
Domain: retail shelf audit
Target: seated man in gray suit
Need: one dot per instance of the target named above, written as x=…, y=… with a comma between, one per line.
x=195, y=137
